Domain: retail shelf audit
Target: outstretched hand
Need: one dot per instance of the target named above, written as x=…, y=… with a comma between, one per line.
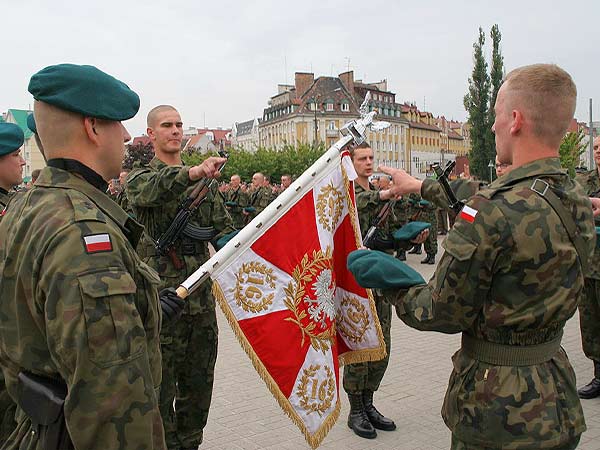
x=208, y=169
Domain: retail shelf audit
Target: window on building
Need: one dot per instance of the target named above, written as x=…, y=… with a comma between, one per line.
x=331, y=125
x=329, y=106
x=312, y=106
x=345, y=107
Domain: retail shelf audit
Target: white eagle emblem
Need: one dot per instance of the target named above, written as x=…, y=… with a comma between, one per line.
x=323, y=306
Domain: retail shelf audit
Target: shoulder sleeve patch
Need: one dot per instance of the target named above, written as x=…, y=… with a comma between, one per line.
x=97, y=243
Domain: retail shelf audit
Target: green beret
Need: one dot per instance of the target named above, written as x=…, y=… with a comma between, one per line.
x=424, y=203
x=598, y=237
x=373, y=269
x=11, y=138
x=221, y=242
x=250, y=209
x=85, y=90
x=410, y=231
x=231, y=204
x=31, y=123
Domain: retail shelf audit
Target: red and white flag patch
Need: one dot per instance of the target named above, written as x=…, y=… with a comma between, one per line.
x=95, y=243
x=468, y=213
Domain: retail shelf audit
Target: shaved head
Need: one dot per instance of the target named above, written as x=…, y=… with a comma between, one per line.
x=154, y=112
x=56, y=126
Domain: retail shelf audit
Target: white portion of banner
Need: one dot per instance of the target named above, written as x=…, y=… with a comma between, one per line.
x=355, y=326
x=315, y=392
x=253, y=286
x=331, y=206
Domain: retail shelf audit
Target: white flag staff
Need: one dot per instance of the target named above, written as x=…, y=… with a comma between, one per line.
x=352, y=133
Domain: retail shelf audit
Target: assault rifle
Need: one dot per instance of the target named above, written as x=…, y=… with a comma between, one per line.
x=165, y=243
x=373, y=238
x=442, y=177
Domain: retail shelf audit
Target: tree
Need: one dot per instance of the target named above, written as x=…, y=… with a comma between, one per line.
x=496, y=76
x=142, y=153
x=476, y=103
x=570, y=150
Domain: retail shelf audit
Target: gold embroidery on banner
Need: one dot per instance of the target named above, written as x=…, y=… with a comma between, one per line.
x=251, y=279
x=330, y=205
x=316, y=394
x=352, y=319
x=317, y=269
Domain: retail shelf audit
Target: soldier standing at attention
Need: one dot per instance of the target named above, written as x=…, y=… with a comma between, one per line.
x=11, y=174
x=511, y=276
x=189, y=346
x=79, y=312
x=259, y=197
x=589, y=307
x=361, y=380
x=235, y=200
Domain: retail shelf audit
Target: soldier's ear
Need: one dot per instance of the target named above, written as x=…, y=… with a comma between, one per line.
x=90, y=124
x=517, y=121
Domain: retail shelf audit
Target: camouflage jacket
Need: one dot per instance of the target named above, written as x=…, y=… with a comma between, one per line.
x=510, y=276
x=81, y=312
x=240, y=198
x=4, y=198
x=154, y=192
x=591, y=185
x=368, y=205
x=259, y=199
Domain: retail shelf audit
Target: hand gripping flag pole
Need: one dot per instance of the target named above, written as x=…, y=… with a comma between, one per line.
x=352, y=133
x=285, y=289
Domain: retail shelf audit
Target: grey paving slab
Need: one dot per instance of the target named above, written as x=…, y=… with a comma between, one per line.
x=244, y=415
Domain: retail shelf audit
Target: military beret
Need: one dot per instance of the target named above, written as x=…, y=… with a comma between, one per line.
x=85, y=90
x=250, y=209
x=11, y=138
x=410, y=231
x=231, y=204
x=424, y=203
x=221, y=242
x=31, y=123
x=373, y=269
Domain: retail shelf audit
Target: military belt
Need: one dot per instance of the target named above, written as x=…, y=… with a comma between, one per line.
x=510, y=355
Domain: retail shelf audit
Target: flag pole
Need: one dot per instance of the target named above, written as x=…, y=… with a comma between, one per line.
x=352, y=133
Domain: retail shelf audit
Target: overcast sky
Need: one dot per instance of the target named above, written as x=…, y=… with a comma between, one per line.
x=219, y=62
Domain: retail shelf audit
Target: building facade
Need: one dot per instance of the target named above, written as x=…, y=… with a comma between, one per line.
x=245, y=135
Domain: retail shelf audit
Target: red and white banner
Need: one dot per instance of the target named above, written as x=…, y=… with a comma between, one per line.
x=295, y=307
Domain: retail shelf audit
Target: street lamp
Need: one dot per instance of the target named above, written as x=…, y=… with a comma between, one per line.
x=491, y=166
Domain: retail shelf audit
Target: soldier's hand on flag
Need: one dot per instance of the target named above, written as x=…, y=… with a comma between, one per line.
x=171, y=305
x=208, y=169
x=595, y=206
x=402, y=182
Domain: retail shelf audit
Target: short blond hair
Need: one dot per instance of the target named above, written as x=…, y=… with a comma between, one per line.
x=547, y=95
x=151, y=118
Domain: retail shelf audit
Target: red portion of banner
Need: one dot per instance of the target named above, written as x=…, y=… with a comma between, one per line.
x=343, y=243
x=293, y=236
x=276, y=342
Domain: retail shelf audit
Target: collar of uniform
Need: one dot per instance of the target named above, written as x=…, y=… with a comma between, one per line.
x=540, y=167
x=3, y=191
x=59, y=178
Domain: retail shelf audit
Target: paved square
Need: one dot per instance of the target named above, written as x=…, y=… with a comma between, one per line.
x=244, y=415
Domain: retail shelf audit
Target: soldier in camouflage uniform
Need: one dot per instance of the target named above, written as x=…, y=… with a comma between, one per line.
x=259, y=197
x=589, y=307
x=189, y=346
x=510, y=278
x=79, y=308
x=236, y=200
x=11, y=174
x=424, y=211
x=362, y=380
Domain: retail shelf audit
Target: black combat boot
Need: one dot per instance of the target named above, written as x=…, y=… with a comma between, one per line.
x=401, y=255
x=377, y=419
x=416, y=250
x=592, y=389
x=430, y=259
x=358, y=420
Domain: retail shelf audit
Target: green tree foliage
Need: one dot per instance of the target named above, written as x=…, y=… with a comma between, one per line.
x=293, y=160
x=476, y=103
x=496, y=76
x=570, y=151
x=139, y=152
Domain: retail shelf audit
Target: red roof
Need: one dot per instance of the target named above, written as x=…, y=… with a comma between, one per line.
x=423, y=126
x=141, y=140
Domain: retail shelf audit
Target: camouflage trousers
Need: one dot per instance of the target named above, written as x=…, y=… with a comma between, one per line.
x=589, y=319
x=7, y=412
x=431, y=246
x=460, y=445
x=189, y=353
x=367, y=376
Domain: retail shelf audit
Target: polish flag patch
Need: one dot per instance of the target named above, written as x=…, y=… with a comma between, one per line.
x=468, y=213
x=95, y=243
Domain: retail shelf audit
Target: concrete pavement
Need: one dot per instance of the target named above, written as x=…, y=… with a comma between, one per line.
x=244, y=415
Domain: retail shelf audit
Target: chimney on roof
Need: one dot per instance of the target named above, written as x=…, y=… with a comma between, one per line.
x=347, y=79
x=303, y=82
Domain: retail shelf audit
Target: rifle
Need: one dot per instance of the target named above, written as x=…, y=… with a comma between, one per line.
x=165, y=243
x=442, y=177
x=372, y=240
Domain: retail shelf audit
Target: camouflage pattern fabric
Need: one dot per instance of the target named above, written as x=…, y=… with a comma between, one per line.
x=589, y=306
x=510, y=277
x=241, y=199
x=155, y=192
x=430, y=215
x=90, y=318
x=4, y=198
x=368, y=375
x=457, y=444
x=259, y=199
